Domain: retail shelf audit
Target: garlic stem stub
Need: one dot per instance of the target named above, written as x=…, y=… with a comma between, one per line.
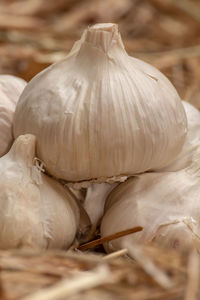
x=166, y=205
x=192, y=141
x=101, y=115
x=35, y=210
x=11, y=88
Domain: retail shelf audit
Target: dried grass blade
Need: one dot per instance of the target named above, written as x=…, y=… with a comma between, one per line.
x=148, y=266
x=66, y=287
x=115, y=254
x=193, y=276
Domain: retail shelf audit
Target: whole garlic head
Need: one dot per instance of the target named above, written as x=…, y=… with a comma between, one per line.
x=100, y=114
x=11, y=88
x=191, y=144
x=166, y=205
x=35, y=210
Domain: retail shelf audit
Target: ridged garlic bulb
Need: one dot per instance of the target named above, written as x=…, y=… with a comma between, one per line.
x=192, y=141
x=35, y=210
x=11, y=88
x=101, y=114
x=166, y=205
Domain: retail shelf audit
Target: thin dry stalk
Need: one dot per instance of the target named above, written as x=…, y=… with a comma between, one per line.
x=66, y=288
x=157, y=274
x=115, y=254
x=109, y=238
x=192, y=289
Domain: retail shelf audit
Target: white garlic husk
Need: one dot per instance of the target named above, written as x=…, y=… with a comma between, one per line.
x=35, y=210
x=101, y=115
x=192, y=141
x=166, y=205
x=11, y=88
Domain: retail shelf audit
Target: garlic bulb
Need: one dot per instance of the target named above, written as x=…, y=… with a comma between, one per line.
x=166, y=205
x=10, y=89
x=100, y=114
x=191, y=143
x=35, y=210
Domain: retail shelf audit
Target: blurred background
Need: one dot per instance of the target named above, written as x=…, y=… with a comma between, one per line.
x=166, y=33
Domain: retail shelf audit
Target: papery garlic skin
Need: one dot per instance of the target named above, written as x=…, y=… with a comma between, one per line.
x=99, y=114
x=35, y=210
x=191, y=144
x=11, y=88
x=166, y=205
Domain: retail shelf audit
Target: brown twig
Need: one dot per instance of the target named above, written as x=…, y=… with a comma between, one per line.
x=109, y=238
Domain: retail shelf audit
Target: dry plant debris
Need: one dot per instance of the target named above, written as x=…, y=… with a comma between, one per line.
x=153, y=274
x=163, y=32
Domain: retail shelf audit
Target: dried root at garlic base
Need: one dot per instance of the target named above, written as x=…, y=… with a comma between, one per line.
x=192, y=141
x=166, y=205
x=11, y=88
x=104, y=120
x=35, y=210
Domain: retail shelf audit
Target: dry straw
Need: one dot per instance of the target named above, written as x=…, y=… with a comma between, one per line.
x=153, y=274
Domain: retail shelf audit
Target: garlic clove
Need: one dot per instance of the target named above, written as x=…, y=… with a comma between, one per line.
x=165, y=204
x=10, y=89
x=176, y=235
x=101, y=121
x=95, y=199
x=35, y=210
x=191, y=144
x=91, y=204
x=85, y=225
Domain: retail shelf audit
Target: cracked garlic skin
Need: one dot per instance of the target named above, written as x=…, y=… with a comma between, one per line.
x=100, y=114
x=166, y=205
x=11, y=88
x=35, y=210
x=191, y=144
